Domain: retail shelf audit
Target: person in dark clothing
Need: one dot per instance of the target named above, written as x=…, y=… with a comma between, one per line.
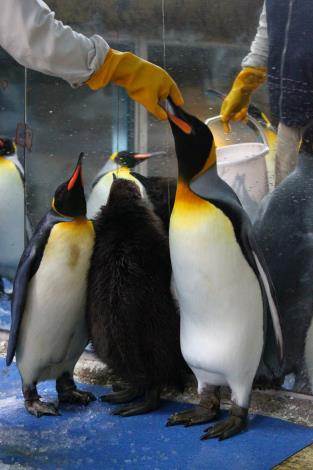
x=280, y=52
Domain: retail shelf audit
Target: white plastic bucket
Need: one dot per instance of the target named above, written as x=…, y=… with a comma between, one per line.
x=243, y=167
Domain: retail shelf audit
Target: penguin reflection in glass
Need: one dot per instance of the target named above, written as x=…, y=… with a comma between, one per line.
x=160, y=191
x=284, y=230
x=11, y=210
x=132, y=317
x=221, y=282
x=48, y=332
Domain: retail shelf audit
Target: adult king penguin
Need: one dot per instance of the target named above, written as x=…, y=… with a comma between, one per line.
x=132, y=316
x=11, y=209
x=48, y=332
x=120, y=163
x=221, y=281
x=284, y=230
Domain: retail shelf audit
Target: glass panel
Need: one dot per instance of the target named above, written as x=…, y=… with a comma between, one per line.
x=201, y=44
x=11, y=182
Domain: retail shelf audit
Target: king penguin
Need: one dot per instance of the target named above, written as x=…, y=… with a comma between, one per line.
x=222, y=284
x=132, y=316
x=49, y=332
x=11, y=209
x=284, y=229
x=121, y=163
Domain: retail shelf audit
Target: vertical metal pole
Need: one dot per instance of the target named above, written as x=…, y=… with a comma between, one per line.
x=24, y=155
x=141, y=115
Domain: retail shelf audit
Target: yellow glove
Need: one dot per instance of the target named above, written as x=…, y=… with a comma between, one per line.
x=144, y=82
x=235, y=105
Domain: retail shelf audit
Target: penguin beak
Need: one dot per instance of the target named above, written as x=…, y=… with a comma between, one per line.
x=144, y=156
x=177, y=116
x=77, y=173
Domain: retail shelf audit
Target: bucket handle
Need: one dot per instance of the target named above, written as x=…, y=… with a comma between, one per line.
x=250, y=119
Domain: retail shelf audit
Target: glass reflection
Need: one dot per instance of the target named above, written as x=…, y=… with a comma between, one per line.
x=11, y=179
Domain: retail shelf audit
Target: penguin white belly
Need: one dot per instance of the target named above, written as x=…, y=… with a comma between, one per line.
x=11, y=218
x=53, y=331
x=219, y=296
x=99, y=196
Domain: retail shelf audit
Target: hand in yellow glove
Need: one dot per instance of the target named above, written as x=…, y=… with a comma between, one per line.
x=235, y=105
x=144, y=82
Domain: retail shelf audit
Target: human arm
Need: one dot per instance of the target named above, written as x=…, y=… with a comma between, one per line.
x=30, y=33
x=252, y=75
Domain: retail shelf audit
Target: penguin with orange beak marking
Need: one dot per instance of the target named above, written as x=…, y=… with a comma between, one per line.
x=222, y=283
x=122, y=163
x=49, y=332
x=158, y=190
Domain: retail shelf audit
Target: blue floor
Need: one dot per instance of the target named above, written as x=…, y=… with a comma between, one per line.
x=90, y=438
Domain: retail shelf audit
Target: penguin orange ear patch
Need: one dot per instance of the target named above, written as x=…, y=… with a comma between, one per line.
x=183, y=126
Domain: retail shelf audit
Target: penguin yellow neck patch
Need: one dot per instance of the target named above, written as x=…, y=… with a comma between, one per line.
x=6, y=164
x=189, y=207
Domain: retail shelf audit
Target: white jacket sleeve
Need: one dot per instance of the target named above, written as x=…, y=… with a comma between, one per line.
x=258, y=54
x=30, y=33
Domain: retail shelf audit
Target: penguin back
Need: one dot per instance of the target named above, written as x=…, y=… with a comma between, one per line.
x=132, y=316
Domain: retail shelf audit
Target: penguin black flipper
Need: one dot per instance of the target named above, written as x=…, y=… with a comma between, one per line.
x=27, y=267
x=211, y=187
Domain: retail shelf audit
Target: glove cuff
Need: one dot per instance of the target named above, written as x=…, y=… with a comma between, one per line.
x=108, y=71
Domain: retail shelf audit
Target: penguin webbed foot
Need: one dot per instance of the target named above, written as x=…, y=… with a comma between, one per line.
x=234, y=424
x=69, y=393
x=121, y=395
x=150, y=403
x=196, y=415
x=40, y=408
x=77, y=397
x=34, y=405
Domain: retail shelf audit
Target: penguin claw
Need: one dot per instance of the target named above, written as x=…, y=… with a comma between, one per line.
x=135, y=409
x=122, y=396
x=193, y=416
x=227, y=428
x=40, y=408
x=77, y=397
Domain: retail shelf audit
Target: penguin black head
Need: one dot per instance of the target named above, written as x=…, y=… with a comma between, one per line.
x=69, y=198
x=132, y=159
x=123, y=189
x=194, y=142
x=7, y=147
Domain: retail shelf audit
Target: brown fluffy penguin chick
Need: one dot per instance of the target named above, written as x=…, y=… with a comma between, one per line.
x=132, y=316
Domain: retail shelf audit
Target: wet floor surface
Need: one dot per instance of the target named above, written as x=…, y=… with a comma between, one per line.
x=91, y=438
